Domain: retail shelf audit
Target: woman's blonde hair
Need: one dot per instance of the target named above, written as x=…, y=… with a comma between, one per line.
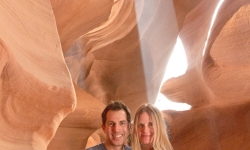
x=160, y=141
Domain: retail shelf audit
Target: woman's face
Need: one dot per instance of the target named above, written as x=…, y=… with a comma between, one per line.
x=145, y=130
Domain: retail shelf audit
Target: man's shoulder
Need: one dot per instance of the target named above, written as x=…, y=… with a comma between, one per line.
x=102, y=147
x=97, y=147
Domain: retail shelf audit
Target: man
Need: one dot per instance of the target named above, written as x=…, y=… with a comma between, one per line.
x=116, y=120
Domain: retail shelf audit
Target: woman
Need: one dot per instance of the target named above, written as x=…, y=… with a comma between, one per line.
x=150, y=131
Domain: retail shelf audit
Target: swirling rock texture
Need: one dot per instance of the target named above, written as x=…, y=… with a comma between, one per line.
x=62, y=61
x=216, y=83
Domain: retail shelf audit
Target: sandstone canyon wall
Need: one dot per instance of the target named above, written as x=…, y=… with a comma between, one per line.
x=62, y=61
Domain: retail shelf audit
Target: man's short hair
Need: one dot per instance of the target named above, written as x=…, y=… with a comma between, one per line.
x=116, y=106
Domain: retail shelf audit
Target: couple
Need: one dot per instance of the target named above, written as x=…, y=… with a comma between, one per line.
x=149, y=129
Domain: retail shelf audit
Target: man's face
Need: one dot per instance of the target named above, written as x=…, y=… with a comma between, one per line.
x=116, y=128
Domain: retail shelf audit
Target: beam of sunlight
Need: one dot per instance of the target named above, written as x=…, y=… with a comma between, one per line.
x=156, y=26
x=164, y=104
x=212, y=23
x=177, y=66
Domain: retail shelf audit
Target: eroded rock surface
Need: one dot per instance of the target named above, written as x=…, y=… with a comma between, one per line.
x=215, y=83
x=36, y=91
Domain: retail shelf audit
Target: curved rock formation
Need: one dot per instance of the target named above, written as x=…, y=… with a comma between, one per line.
x=217, y=81
x=35, y=96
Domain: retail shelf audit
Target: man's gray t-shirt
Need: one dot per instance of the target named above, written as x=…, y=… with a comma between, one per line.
x=102, y=147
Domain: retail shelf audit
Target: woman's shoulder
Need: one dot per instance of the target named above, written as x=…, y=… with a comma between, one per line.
x=127, y=147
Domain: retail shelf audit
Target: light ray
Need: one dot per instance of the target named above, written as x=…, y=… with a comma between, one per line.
x=212, y=23
x=177, y=66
